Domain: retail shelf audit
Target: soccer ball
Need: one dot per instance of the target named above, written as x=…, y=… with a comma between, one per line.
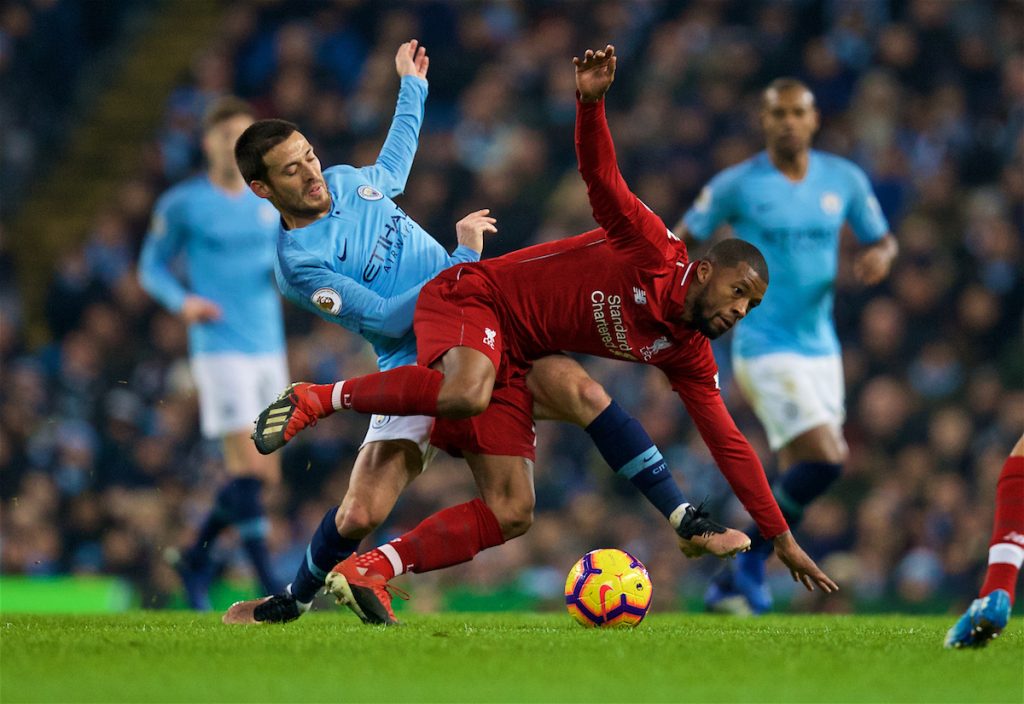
x=608, y=588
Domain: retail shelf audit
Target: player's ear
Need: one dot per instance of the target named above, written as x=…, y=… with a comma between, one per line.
x=704, y=270
x=260, y=188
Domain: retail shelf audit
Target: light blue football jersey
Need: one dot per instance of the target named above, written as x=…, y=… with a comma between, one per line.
x=363, y=264
x=796, y=226
x=227, y=245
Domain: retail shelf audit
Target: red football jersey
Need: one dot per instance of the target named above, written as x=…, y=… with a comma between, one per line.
x=619, y=291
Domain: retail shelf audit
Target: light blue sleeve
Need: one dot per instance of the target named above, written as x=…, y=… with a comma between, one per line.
x=391, y=171
x=464, y=255
x=713, y=206
x=342, y=300
x=164, y=241
x=864, y=213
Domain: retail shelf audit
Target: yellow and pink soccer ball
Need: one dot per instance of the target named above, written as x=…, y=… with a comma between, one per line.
x=608, y=588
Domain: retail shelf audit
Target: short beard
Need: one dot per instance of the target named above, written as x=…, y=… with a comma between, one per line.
x=700, y=319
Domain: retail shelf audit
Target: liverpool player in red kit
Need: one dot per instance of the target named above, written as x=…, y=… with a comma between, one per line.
x=625, y=290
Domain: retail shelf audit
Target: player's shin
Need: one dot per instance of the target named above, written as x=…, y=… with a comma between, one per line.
x=326, y=549
x=404, y=391
x=632, y=454
x=1006, y=548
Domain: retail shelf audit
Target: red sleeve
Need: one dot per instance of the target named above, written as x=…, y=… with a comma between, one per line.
x=631, y=226
x=735, y=457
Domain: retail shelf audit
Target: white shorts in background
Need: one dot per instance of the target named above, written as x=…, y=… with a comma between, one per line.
x=791, y=393
x=413, y=428
x=233, y=388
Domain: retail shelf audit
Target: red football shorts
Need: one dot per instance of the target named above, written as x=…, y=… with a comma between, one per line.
x=456, y=310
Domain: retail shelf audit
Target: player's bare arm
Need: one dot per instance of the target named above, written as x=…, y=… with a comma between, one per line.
x=595, y=73
x=470, y=230
x=412, y=60
x=873, y=263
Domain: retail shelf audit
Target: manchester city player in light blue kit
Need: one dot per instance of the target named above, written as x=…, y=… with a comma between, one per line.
x=791, y=202
x=348, y=253
x=225, y=237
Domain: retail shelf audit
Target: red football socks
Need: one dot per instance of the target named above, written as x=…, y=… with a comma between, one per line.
x=1006, y=549
x=449, y=537
x=405, y=391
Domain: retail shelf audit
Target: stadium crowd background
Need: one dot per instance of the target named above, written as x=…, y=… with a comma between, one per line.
x=102, y=468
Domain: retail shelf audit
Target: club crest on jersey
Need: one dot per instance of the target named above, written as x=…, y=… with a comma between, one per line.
x=831, y=204
x=379, y=421
x=327, y=300
x=369, y=193
x=654, y=348
x=489, y=336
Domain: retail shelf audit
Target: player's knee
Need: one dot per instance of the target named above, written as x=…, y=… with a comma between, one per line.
x=464, y=400
x=355, y=520
x=593, y=399
x=515, y=519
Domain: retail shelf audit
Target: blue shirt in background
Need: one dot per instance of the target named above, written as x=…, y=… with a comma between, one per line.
x=227, y=244
x=796, y=225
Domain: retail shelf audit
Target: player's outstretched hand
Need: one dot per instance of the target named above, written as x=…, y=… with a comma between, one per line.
x=470, y=230
x=595, y=73
x=801, y=566
x=412, y=60
x=196, y=309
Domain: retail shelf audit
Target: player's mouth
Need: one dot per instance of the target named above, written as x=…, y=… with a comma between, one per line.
x=316, y=191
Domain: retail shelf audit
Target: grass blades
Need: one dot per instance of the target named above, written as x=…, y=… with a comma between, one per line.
x=183, y=656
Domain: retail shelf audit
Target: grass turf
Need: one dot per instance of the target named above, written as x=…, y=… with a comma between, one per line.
x=182, y=656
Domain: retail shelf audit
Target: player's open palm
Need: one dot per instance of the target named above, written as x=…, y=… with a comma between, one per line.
x=801, y=566
x=412, y=60
x=470, y=230
x=595, y=73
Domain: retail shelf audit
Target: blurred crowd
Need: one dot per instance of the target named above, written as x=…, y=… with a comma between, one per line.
x=103, y=471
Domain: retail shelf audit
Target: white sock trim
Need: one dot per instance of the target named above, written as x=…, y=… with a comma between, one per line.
x=303, y=605
x=1006, y=553
x=336, y=396
x=393, y=557
x=677, y=516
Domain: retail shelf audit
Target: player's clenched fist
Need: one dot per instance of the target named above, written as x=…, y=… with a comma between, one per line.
x=470, y=230
x=412, y=60
x=595, y=73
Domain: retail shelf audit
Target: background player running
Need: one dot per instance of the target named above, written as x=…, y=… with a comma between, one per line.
x=791, y=201
x=989, y=614
x=350, y=254
x=625, y=290
x=236, y=333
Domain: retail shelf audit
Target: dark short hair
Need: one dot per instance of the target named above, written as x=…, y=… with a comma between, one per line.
x=224, y=109
x=732, y=252
x=782, y=84
x=258, y=139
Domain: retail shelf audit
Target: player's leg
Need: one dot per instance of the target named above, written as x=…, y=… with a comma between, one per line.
x=800, y=402
x=231, y=388
x=382, y=470
x=563, y=390
x=988, y=615
x=449, y=537
x=459, y=344
x=499, y=445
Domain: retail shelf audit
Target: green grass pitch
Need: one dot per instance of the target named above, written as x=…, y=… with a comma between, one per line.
x=453, y=657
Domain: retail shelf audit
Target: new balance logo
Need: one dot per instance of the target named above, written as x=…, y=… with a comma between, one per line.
x=489, y=336
x=640, y=296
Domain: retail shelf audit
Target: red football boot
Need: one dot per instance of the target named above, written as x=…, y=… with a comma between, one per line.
x=296, y=408
x=366, y=593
